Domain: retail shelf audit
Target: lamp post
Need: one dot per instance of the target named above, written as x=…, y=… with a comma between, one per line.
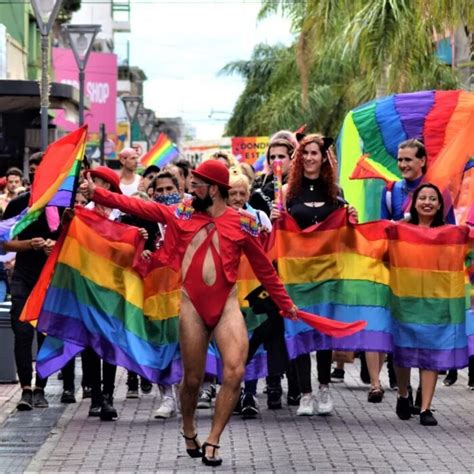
x=132, y=103
x=46, y=12
x=81, y=38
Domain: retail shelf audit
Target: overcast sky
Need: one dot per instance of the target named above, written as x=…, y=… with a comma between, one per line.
x=182, y=44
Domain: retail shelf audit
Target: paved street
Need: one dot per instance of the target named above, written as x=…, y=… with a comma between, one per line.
x=357, y=437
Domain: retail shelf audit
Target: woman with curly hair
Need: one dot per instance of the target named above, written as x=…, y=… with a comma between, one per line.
x=311, y=195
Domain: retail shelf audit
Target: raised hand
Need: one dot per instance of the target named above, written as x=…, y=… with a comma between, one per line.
x=87, y=187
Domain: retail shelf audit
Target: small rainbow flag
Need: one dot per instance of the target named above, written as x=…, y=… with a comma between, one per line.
x=161, y=153
x=260, y=163
x=55, y=181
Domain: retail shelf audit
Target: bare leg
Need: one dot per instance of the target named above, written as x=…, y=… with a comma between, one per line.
x=428, y=384
x=232, y=340
x=403, y=377
x=374, y=365
x=194, y=340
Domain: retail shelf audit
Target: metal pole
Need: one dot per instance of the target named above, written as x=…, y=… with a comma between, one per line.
x=81, y=96
x=44, y=91
x=131, y=134
x=102, y=144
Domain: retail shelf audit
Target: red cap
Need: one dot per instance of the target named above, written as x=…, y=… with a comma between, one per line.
x=213, y=172
x=107, y=175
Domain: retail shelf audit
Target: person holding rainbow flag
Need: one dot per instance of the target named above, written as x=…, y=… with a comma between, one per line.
x=205, y=240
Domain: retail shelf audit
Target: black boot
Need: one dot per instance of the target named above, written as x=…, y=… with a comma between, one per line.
x=274, y=392
x=417, y=405
x=107, y=411
x=96, y=404
x=451, y=378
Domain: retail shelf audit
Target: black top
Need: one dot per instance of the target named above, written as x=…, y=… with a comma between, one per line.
x=313, y=205
x=29, y=263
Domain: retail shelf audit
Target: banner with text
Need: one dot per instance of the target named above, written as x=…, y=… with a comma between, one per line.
x=248, y=149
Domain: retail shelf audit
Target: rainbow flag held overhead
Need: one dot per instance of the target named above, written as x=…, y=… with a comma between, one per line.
x=376, y=128
x=161, y=153
x=428, y=296
x=55, y=180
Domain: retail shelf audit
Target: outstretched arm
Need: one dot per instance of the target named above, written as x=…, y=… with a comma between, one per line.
x=151, y=211
x=268, y=277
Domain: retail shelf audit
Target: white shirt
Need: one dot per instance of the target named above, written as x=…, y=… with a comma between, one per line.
x=132, y=188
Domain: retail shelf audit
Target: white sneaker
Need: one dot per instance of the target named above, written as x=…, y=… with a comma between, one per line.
x=306, y=407
x=167, y=408
x=325, y=403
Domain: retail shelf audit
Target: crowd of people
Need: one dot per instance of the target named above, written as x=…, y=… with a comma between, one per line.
x=212, y=239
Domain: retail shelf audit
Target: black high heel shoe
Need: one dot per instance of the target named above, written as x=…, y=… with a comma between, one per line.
x=210, y=461
x=193, y=452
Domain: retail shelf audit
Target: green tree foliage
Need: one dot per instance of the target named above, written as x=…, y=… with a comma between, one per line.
x=68, y=7
x=345, y=53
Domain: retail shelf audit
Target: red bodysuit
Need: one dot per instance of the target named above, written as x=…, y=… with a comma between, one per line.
x=183, y=223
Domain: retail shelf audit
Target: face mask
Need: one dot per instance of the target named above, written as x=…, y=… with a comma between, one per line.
x=201, y=205
x=168, y=199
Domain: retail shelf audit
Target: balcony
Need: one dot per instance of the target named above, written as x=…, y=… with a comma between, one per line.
x=121, y=16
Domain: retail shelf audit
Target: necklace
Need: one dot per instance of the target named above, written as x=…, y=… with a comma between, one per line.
x=311, y=187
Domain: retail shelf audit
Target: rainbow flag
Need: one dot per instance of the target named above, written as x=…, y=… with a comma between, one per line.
x=337, y=270
x=95, y=298
x=428, y=298
x=377, y=127
x=161, y=153
x=367, y=168
x=55, y=180
x=259, y=163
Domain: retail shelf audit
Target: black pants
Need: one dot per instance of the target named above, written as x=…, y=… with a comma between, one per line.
x=101, y=381
x=69, y=375
x=24, y=334
x=299, y=373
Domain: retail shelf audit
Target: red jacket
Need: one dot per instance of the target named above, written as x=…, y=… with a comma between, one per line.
x=183, y=223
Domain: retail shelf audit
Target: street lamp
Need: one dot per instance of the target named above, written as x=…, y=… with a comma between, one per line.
x=81, y=38
x=142, y=117
x=132, y=103
x=46, y=12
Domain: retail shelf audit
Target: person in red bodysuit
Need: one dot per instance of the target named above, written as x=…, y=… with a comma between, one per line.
x=205, y=239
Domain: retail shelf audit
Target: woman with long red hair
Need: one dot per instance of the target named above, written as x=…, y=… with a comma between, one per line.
x=311, y=195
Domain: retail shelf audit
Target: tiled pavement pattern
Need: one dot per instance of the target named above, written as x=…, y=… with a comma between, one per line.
x=23, y=433
x=358, y=437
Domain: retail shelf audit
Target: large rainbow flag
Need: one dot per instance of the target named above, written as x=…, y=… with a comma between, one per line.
x=428, y=302
x=55, y=181
x=377, y=127
x=338, y=270
x=161, y=153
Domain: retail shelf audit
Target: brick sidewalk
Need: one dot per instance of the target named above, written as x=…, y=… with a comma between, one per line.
x=8, y=393
x=358, y=437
